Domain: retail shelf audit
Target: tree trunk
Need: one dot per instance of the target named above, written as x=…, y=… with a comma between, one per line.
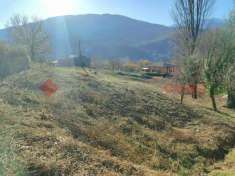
x=231, y=90
x=182, y=94
x=194, y=92
x=212, y=95
x=84, y=69
x=231, y=99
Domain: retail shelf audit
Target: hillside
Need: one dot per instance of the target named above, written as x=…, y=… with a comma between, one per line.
x=105, y=36
x=104, y=124
x=110, y=36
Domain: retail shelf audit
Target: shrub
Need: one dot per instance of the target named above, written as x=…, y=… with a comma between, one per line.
x=131, y=67
x=12, y=60
x=82, y=61
x=146, y=76
x=153, y=74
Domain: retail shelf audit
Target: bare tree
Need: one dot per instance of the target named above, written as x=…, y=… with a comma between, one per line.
x=116, y=64
x=190, y=72
x=29, y=32
x=190, y=17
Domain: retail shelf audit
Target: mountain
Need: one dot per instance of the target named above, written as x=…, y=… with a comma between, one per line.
x=214, y=23
x=110, y=36
x=105, y=36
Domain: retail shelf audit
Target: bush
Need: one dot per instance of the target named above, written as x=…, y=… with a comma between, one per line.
x=12, y=60
x=131, y=67
x=135, y=75
x=82, y=61
x=153, y=74
x=145, y=76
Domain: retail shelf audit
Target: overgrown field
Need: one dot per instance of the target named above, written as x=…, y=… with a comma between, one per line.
x=105, y=124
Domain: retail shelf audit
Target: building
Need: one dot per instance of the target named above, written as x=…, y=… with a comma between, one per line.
x=165, y=69
x=54, y=63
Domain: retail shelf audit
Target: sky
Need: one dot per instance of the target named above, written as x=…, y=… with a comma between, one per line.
x=154, y=11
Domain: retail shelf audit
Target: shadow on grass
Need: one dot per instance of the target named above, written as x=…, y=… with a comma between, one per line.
x=226, y=114
x=220, y=112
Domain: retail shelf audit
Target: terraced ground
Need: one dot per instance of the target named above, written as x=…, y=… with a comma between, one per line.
x=105, y=124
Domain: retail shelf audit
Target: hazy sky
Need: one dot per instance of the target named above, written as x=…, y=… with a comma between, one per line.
x=155, y=11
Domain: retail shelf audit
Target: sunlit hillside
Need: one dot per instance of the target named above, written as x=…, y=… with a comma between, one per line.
x=104, y=124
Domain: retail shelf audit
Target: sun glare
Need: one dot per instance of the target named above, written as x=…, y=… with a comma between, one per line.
x=58, y=7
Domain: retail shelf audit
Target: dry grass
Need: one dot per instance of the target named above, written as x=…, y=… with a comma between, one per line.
x=105, y=124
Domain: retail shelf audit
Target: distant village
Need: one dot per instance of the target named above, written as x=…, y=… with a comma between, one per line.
x=164, y=69
x=145, y=66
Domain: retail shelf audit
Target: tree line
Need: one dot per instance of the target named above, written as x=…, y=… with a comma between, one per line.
x=207, y=55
